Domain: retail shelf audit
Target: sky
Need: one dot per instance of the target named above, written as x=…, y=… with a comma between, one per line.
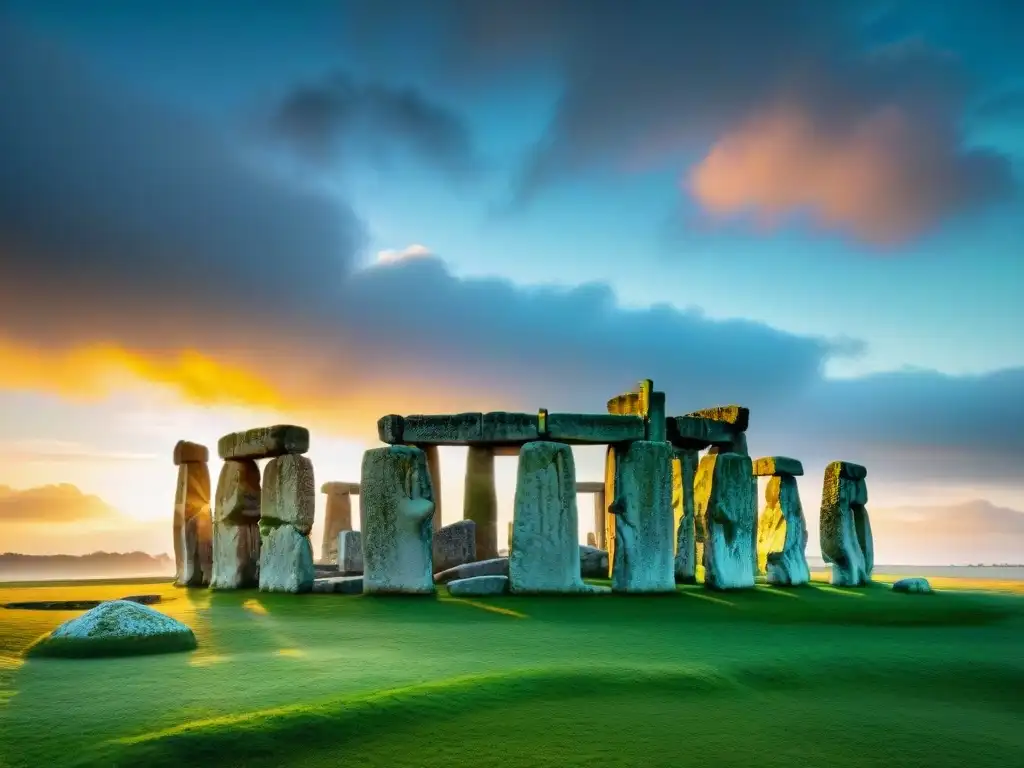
x=220, y=216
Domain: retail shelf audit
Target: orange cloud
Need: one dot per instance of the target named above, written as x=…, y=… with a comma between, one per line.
x=52, y=504
x=875, y=178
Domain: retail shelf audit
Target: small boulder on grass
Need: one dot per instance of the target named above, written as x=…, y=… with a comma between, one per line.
x=116, y=628
x=913, y=586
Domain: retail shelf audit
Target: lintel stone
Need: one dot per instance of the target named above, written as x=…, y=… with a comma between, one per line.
x=492, y=428
x=777, y=466
x=335, y=487
x=593, y=428
x=590, y=487
x=697, y=432
x=736, y=416
x=186, y=452
x=852, y=471
x=264, y=442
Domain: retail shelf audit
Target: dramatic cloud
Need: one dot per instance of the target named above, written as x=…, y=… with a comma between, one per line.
x=791, y=97
x=137, y=245
x=52, y=504
x=339, y=117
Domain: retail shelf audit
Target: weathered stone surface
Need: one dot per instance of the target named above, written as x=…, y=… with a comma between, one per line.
x=914, y=586
x=852, y=471
x=657, y=428
x=350, y=553
x=185, y=452
x=395, y=508
x=738, y=444
x=337, y=518
x=845, y=528
x=391, y=429
x=769, y=466
x=286, y=560
x=480, y=500
x=343, y=585
x=289, y=492
x=193, y=526
x=442, y=429
x=116, y=628
x=497, y=566
x=264, y=442
x=502, y=427
x=593, y=562
x=722, y=490
x=593, y=428
x=454, y=545
x=592, y=541
x=782, y=534
x=644, y=530
x=736, y=416
x=335, y=487
x=478, y=586
x=236, y=555
x=626, y=404
x=238, y=498
x=696, y=433
x=684, y=470
x=434, y=468
x=544, y=555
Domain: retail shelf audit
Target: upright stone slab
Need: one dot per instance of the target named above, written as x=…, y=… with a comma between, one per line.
x=454, y=545
x=480, y=501
x=396, y=505
x=845, y=528
x=236, y=535
x=684, y=470
x=545, y=552
x=738, y=444
x=286, y=517
x=608, y=537
x=782, y=534
x=350, y=553
x=337, y=518
x=193, y=525
x=644, y=521
x=434, y=468
x=724, y=490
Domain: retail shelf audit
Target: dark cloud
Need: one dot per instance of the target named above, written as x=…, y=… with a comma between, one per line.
x=52, y=504
x=124, y=224
x=340, y=117
x=649, y=83
x=1007, y=106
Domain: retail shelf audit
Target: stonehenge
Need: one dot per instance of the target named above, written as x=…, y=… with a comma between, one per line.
x=846, y=541
x=677, y=505
x=782, y=530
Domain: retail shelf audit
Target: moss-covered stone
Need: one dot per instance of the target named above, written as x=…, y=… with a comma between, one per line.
x=264, y=442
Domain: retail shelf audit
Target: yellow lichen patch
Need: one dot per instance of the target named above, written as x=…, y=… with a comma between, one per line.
x=730, y=414
x=486, y=607
x=255, y=606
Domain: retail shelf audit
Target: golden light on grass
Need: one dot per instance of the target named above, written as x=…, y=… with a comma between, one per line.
x=255, y=606
x=486, y=607
x=291, y=653
x=207, y=660
x=709, y=598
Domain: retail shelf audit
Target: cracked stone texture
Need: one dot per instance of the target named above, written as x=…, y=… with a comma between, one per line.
x=643, y=558
x=396, y=508
x=545, y=554
x=236, y=555
x=497, y=566
x=337, y=518
x=782, y=534
x=286, y=560
x=238, y=497
x=478, y=586
x=264, y=442
x=480, y=500
x=722, y=491
x=193, y=526
x=845, y=537
x=289, y=492
x=186, y=451
x=684, y=470
x=454, y=545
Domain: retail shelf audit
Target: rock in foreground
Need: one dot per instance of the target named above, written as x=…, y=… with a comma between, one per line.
x=476, y=586
x=913, y=586
x=116, y=628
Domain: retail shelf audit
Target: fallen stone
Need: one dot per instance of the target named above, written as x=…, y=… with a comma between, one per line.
x=913, y=586
x=116, y=628
x=478, y=586
x=236, y=555
x=544, y=553
x=593, y=562
x=289, y=492
x=191, y=500
x=684, y=470
x=736, y=416
x=350, y=553
x=454, y=545
x=480, y=500
x=286, y=560
x=396, y=506
x=337, y=518
x=724, y=490
x=264, y=442
x=342, y=585
x=643, y=557
x=845, y=530
x=497, y=566
x=768, y=466
x=782, y=534
x=186, y=452
x=592, y=428
x=238, y=492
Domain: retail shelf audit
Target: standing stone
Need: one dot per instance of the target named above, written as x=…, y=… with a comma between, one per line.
x=193, y=525
x=608, y=537
x=286, y=560
x=481, y=500
x=454, y=545
x=782, y=534
x=186, y=452
x=286, y=517
x=739, y=445
x=236, y=536
x=684, y=469
x=350, y=553
x=396, y=505
x=845, y=528
x=644, y=529
x=591, y=540
x=545, y=551
x=434, y=468
x=724, y=492
x=337, y=518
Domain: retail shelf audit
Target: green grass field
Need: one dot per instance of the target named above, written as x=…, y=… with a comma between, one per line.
x=813, y=676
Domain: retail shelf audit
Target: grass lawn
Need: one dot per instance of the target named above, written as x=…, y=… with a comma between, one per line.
x=813, y=676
